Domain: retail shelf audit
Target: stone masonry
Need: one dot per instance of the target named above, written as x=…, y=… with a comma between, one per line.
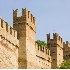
x=8, y=46
x=55, y=46
x=18, y=49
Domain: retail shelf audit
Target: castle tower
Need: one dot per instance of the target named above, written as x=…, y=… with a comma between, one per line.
x=66, y=51
x=55, y=46
x=26, y=29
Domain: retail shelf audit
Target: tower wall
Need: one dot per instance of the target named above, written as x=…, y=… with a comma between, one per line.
x=55, y=46
x=66, y=51
x=26, y=29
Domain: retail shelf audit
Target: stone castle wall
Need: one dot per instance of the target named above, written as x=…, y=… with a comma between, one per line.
x=66, y=51
x=55, y=46
x=19, y=50
x=43, y=58
x=8, y=46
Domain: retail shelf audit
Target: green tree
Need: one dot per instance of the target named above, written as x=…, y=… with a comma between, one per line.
x=42, y=43
x=65, y=65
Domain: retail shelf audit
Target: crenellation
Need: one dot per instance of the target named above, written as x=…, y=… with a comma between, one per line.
x=31, y=17
x=24, y=51
x=67, y=42
x=63, y=43
x=8, y=29
x=42, y=49
x=34, y=20
x=14, y=33
x=66, y=51
x=55, y=35
x=11, y=30
x=28, y=13
x=48, y=51
x=6, y=26
x=27, y=18
x=48, y=36
x=1, y=23
x=24, y=12
x=59, y=38
x=15, y=13
x=42, y=57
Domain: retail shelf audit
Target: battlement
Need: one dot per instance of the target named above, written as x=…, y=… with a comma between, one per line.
x=42, y=49
x=55, y=37
x=26, y=17
x=6, y=28
x=15, y=13
x=25, y=13
x=42, y=53
x=66, y=44
x=29, y=16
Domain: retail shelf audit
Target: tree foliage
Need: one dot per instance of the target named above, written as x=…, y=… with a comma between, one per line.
x=42, y=43
x=65, y=65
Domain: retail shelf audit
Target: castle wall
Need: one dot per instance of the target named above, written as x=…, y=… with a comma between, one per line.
x=43, y=58
x=55, y=45
x=19, y=50
x=53, y=52
x=8, y=32
x=8, y=46
x=59, y=55
x=66, y=51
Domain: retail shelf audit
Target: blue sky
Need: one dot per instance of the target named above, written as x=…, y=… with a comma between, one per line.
x=51, y=15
